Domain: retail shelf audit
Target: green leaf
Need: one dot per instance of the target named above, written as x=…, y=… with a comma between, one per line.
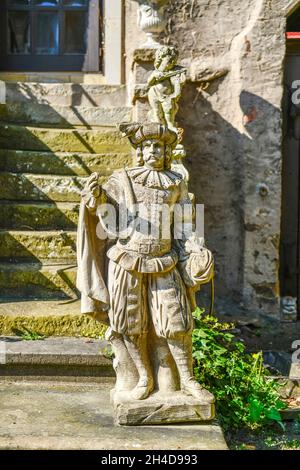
x=273, y=414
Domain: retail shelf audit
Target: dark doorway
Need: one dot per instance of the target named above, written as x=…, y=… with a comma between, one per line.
x=50, y=35
x=290, y=222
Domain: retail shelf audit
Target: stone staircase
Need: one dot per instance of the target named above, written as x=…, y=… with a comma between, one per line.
x=52, y=136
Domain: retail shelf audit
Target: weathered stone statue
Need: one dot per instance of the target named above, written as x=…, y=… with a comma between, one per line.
x=165, y=85
x=155, y=265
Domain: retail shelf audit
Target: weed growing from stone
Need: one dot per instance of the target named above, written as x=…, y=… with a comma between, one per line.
x=28, y=335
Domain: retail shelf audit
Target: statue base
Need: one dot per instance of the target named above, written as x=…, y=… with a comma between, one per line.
x=160, y=408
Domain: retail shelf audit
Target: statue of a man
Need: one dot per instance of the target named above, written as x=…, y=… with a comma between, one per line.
x=152, y=276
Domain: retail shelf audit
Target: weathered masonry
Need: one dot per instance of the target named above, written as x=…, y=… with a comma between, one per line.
x=61, y=95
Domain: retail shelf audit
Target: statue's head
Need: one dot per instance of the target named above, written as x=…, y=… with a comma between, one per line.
x=165, y=58
x=154, y=144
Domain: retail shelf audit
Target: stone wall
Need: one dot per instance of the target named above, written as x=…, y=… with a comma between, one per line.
x=231, y=113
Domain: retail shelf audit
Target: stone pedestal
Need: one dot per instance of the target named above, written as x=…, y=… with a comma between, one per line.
x=143, y=66
x=159, y=408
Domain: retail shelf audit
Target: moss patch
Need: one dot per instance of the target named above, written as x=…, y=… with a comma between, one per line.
x=65, y=325
x=62, y=140
x=39, y=216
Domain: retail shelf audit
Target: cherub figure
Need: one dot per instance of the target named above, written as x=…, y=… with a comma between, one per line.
x=165, y=84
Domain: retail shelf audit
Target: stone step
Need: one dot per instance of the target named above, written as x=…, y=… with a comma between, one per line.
x=81, y=140
x=55, y=247
x=65, y=94
x=47, y=318
x=52, y=357
x=43, y=415
x=63, y=357
x=81, y=164
x=40, y=187
x=63, y=116
x=38, y=216
x=37, y=281
x=27, y=187
x=79, y=78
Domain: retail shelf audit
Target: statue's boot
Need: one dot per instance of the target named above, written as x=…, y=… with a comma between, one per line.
x=181, y=350
x=143, y=388
x=126, y=373
x=137, y=348
x=191, y=387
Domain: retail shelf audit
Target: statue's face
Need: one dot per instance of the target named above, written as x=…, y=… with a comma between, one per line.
x=154, y=154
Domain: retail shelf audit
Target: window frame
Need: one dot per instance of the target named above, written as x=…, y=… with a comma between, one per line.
x=63, y=61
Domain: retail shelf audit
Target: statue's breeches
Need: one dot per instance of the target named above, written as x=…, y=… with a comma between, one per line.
x=138, y=298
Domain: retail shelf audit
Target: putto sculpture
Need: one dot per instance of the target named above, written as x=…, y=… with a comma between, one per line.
x=165, y=85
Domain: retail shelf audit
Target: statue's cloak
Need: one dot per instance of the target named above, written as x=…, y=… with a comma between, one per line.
x=91, y=261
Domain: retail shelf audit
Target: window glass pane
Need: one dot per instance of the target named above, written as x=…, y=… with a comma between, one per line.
x=75, y=3
x=75, y=35
x=18, y=32
x=47, y=35
x=46, y=3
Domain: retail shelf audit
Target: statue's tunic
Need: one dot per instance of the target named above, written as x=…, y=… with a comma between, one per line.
x=143, y=280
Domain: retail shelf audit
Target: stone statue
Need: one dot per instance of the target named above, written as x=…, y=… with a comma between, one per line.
x=165, y=84
x=155, y=265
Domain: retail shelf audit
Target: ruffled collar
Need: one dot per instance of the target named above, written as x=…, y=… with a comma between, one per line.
x=164, y=179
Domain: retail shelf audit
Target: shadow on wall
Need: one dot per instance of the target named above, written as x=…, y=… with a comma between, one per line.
x=226, y=168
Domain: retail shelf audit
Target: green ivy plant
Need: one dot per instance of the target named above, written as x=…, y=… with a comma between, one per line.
x=245, y=395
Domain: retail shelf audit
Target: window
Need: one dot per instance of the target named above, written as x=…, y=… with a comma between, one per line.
x=50, y=34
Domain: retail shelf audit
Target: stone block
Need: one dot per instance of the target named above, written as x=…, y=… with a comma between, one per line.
x=141, y=109
x=175, y=407
x=62, y=140
x=141, y=71
x=54, y=78
x=290, y=414
x=56, y=247
x=144, y=54
x=29, y=187
x=37, y=281
x=295, y=370
x=38, y=216
x=47, y=317
x=63, y=116
x=54, y=358
x=66, y=94
x=63, y=163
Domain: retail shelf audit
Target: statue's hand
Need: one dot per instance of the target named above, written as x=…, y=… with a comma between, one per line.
x=93, y=185
x=160, y=75
x=156, y=77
